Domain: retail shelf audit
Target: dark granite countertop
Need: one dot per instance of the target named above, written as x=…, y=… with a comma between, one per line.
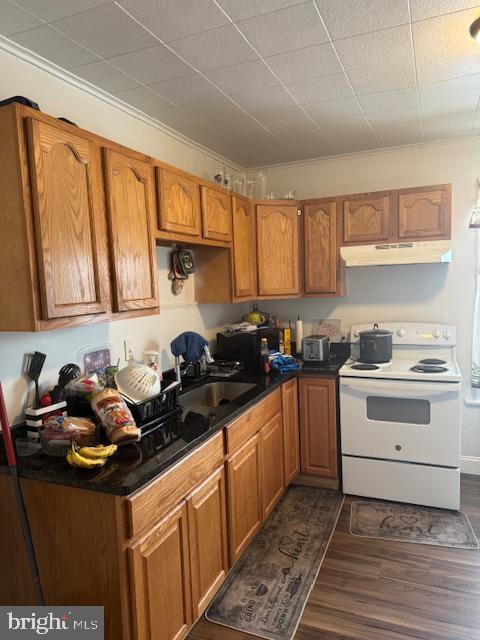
x=135, y=465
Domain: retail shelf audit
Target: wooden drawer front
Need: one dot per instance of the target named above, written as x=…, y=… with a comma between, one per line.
x=160, y=570
x=216, y=215
x=252, y=421
x=151, y=503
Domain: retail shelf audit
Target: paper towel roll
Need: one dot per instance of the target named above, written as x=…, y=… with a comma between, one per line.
x=299, y=335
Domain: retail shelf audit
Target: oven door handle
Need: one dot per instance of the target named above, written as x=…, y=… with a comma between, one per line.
x=398, y=388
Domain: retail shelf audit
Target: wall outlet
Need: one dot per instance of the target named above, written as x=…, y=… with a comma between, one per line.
x=128, y=349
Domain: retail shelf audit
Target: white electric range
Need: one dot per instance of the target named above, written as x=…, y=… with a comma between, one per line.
x=400, y=422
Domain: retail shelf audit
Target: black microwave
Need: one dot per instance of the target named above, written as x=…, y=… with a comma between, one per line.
x=245, y=347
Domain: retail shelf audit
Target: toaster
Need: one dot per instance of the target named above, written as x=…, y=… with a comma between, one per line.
x=315, y=348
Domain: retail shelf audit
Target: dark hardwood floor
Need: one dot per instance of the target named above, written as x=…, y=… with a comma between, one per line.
x=380, y=590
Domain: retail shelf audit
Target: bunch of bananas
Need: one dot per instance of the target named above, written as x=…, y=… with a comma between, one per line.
x=90, y=457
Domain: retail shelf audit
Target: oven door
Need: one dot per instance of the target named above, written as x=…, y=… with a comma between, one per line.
x=401, y=420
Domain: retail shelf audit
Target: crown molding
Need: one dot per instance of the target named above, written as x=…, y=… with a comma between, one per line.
x=472, y=139
x=51, y=68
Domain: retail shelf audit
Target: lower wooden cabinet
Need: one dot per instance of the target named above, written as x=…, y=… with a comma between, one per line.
x=207, y=532
x=272, y=476
x=160, y=568
x=244, y=497
x=291, y=435
x=318, y=426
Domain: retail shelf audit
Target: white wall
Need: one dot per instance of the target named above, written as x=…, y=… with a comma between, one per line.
x=409, y=292
x=59, y=98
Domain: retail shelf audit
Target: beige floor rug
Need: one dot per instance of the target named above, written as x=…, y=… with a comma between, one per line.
x=267, y=590
x=409, y=523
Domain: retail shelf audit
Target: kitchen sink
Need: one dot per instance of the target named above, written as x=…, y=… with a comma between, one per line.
x=214, y=394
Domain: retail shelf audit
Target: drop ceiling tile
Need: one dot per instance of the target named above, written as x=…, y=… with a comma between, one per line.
x=347, y=125
x=393, y=118
x=318, y=89
x=448, y=126
x=143, y=99
x=456, y=88
x=220, y=114
x=263, y=99
x=446, y=107
x=283, y=117
x=106, y=30
x=346, y=18
x=185, y=90
x=303, y=64
x=402, y=133
x=246, y=76
x=151, y=65
x=54, y=46
x=14, y=19
x=444, y=48
x=220, y=47
x=379, y=77
x=50, y=10
x=330, y=109
x=379, y=47
x=389, y=100
x=103, y=75
x=171, y=20
x=284, y=30
x=249, y=8
x=422, y=9
x=312, y=145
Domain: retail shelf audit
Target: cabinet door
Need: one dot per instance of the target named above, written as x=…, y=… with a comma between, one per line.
x=366, y=218
x=277, y=247
x=216, y=215
x=318, y=426
x=160, y=569
x=67, y=209
x=320, y=241
x=271, y=463
x=207, y=530
x=178, y=202
x=291, y=433
x=130, y=200
x=424, y=213
x=244, y=498
x=244, y=249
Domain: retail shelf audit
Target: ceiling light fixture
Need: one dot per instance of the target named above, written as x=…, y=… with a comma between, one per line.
x=475, y=30
x=475, y=215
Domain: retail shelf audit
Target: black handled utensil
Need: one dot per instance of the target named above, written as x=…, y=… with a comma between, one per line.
x=66, y=374
x=34, y=370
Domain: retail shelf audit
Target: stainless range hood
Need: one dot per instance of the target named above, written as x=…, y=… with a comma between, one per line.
x=428, y=251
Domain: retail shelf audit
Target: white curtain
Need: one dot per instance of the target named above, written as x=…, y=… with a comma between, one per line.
x=476, y=320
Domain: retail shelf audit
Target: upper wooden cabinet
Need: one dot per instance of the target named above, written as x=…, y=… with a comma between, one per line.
x=320, y=246
x=318, y=426
x=67, y=211
x=244, y=249
x=278, y=250
x=131, y=211
x=424, y=212
x=367, y=217
x=178, y=202
x=216, y=214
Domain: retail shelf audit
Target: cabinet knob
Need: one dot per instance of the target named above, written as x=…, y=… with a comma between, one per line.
x=398, y=447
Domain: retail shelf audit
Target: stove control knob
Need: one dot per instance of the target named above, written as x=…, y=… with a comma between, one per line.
x=436, y=333
x=447, y=334
x=401, y=333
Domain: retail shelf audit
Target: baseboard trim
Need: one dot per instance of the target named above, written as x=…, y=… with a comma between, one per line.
x=471, y=465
